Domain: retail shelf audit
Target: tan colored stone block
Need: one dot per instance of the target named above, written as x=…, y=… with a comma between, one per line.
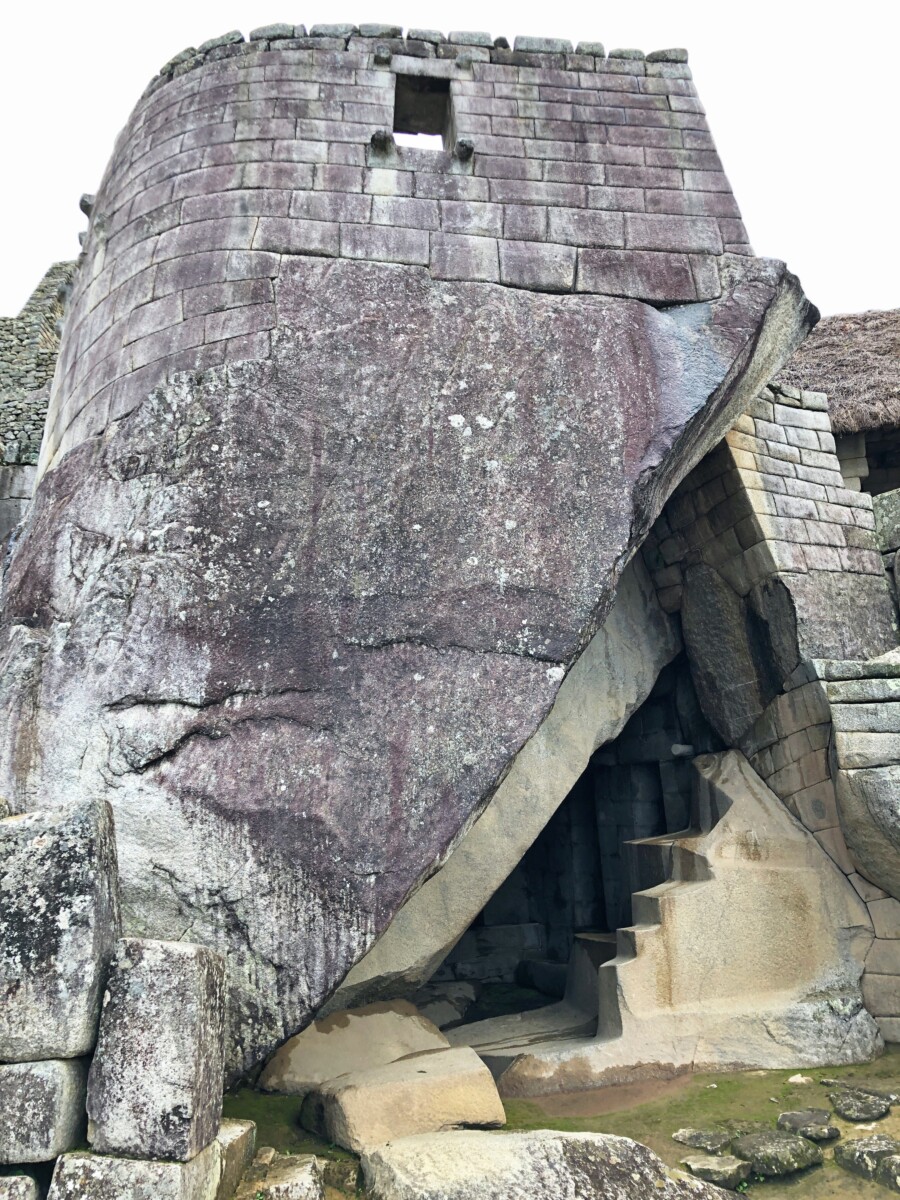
x=427, y=1093
x=816, y=806
x=885, y=916
x=355, y=1040
x=832, y=842
x=884, y=958
x=881, y=994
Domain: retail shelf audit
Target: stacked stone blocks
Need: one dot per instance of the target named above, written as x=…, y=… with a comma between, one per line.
x=589, y=174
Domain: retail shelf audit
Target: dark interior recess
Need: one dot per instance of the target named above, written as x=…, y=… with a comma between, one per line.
x=577, y=877
x=422, y=105
x=883, y=455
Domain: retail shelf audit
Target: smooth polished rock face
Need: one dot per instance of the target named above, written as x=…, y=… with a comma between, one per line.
x=41, y=1109
x=470, y=1165
x=59, y=920
x=155, y=1084
x=296, y=618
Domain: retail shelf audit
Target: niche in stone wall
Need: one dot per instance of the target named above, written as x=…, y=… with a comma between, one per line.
x=422, y=112
x=576, y=881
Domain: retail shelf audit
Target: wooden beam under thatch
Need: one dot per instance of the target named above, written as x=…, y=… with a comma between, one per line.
x=855, y=358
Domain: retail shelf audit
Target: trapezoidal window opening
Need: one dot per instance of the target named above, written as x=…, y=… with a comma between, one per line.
x=423, y=115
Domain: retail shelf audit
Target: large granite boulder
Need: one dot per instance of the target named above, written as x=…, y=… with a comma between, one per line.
x=296, y=618
x=471, y=1165
x=59, y=920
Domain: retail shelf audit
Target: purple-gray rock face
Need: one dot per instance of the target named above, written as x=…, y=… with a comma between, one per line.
x=155, y=1083
x=59, y=920
x=295, y=618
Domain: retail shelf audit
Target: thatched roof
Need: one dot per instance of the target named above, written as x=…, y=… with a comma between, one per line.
x=855, y=358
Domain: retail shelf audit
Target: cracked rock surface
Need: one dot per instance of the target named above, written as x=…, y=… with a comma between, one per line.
x=295, y=619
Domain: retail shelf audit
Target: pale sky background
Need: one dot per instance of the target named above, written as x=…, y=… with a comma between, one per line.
x=802, y=100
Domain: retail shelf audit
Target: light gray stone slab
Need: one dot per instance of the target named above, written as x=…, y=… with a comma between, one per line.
x=42, y=1110
x=59, y=919
x=103, y=1177
x=155, y=1085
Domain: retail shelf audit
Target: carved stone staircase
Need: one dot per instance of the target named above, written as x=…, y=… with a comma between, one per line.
x=745, y=949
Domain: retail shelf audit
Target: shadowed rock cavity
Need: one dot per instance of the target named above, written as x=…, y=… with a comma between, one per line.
x=296, y=619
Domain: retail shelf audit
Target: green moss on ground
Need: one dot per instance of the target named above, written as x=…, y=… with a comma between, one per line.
x=709, y=1101
x=748, y=1096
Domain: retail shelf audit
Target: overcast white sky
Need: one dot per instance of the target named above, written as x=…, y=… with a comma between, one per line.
x=803, y=105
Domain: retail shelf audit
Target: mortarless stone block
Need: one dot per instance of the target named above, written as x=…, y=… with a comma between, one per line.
x=542, y=267
x=19, y=1187
x=59, y=920
x=99, y=1177
x=457, y=257
x=237, y=1140
x=155, y=1084
x=637, y=274
x=41, y=1109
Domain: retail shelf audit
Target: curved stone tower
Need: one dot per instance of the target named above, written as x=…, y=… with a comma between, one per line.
x=349, y=443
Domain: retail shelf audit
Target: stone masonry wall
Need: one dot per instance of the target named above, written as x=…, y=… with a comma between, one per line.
x=29, y=344
x=767, y=507
x=589, y=173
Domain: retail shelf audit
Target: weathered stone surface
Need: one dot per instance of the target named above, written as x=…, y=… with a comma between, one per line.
x=870, y=819
x=426, y=1093
x=447, y=1003
x=713, y=1141
x=19, y=1187
x=888, y=1173
x=41, y=1109
x=862, y=1155
x=354, y=1040
x=155, y=1083
x=855, y=1105
x=521, y=1166
x=59, y=919
x=270, y=557
x=102, y=1177
x=811, y=1123
x=887, y=519
x=237, y=1141
x=776, y=1153
x=724, y=1170
x=284, y=1177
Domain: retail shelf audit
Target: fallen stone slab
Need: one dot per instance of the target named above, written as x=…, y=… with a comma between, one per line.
x=447, y=1003
x=286, y=1177
x=472, y=1165
x=724, y=1170
x=443, y=1089
x=776, y=1153
x=353, y=1040
x=42, y=1111
x=59, y=920
x=18, y=1187
x=237, y=1141
x=103, y=1177
x=862, y=1155
x=713, y=1141
x=155, y=1083
x=812, y=1123
x=856, y=1105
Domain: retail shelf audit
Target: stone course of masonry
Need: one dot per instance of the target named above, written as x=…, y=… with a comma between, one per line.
x=589, y=174
x=29, y=344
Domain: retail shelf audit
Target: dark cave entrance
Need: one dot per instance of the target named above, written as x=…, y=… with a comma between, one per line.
x=561, y=906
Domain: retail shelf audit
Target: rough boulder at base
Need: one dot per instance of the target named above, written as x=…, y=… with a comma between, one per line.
x=295, y=619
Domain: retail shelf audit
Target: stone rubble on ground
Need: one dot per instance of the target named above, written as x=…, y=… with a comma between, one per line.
x=283, y=1177
x=713, y=1141
x=724, y=1170
x=812, y=1123
x=854, y=1104
x=862, y=1155
x=775, y=1153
